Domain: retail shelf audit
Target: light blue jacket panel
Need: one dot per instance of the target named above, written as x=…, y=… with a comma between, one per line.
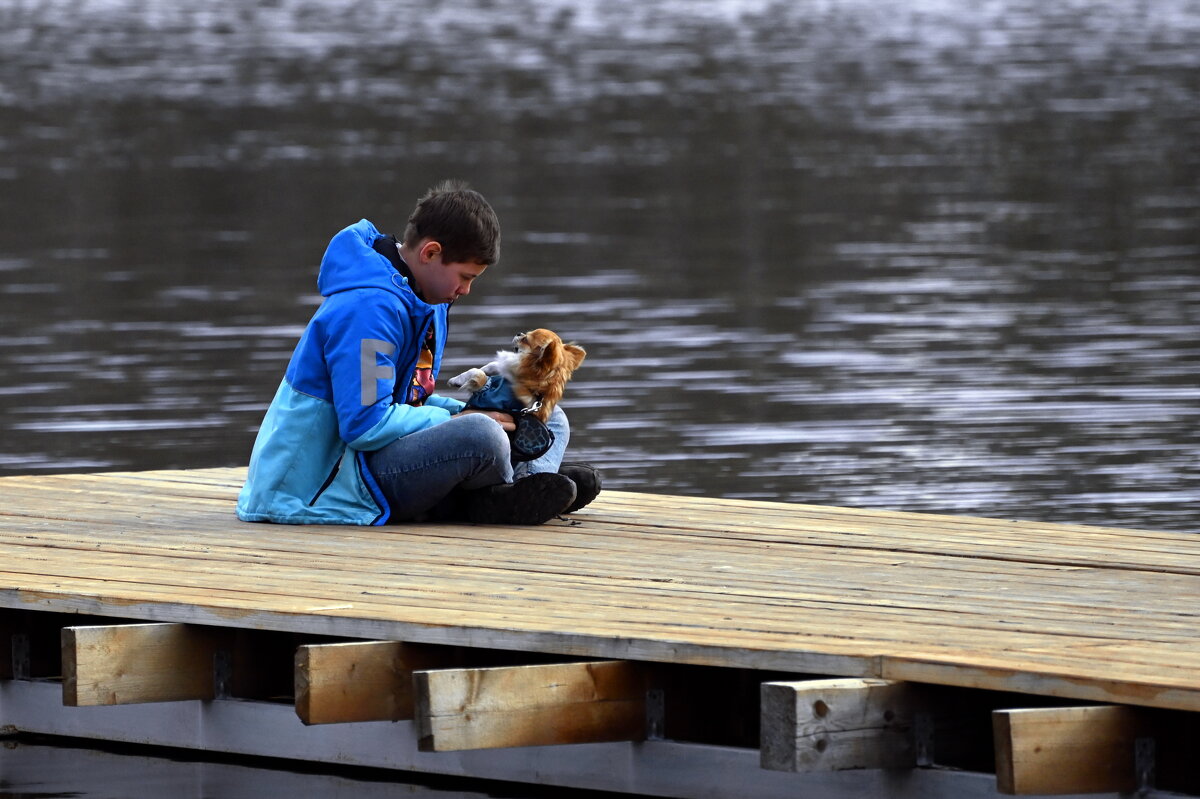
x=343, y=392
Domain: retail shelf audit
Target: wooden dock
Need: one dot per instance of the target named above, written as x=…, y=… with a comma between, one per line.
x=682, y=643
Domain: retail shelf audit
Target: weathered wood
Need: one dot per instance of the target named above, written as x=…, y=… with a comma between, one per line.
x=1067, y=750
x=549, y=704
x=271, y=730
x=361, y=681
x=834, y=725
x=1088, y=613
x=133, y=663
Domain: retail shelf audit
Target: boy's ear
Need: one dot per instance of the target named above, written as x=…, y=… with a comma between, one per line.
x=430, y=250
x=575, y=355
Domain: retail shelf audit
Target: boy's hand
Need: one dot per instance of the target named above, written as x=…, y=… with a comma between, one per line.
x=505, y=420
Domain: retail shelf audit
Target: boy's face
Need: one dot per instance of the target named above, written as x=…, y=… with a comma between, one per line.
x=440, y=281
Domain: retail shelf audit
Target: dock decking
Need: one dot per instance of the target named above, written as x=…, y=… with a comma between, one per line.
x=1073, y=612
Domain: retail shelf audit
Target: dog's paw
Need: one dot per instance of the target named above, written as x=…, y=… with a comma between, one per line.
x=471, y=380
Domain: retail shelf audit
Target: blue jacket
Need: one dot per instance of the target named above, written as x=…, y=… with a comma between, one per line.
x=336, y=399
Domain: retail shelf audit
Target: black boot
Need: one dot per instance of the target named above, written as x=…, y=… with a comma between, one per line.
x=587, y=483
x=534, y=499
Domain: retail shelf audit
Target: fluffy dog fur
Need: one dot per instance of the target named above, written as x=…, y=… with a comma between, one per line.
x=538, y=367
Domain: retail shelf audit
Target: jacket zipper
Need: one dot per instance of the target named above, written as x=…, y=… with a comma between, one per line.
x=328, y=482
x=401, y=390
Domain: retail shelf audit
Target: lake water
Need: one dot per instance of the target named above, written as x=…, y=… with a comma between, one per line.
x=915, y=254
x=912, y=254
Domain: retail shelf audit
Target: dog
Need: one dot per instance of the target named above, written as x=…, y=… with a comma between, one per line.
x=534, y=374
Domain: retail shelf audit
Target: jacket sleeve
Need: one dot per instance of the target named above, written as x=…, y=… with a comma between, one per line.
x=449, y=403
x=367, y=348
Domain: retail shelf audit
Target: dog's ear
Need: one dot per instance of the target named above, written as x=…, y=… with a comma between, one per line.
x=574, y=355
x=549, y=352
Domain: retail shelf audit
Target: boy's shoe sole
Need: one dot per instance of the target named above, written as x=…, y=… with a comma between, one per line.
x=587, y=483
x=534, y=499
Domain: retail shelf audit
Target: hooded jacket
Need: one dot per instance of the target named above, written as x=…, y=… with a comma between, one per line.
x=343, y=392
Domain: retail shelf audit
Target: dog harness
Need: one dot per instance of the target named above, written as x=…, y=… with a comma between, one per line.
x=532, y=438
x=497, y=395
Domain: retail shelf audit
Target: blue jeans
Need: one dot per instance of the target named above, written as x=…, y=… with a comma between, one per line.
x=423, y=474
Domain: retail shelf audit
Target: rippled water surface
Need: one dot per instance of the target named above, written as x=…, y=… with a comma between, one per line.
x=914, y=254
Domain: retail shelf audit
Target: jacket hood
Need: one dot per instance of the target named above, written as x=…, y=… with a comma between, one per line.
x=350, y=263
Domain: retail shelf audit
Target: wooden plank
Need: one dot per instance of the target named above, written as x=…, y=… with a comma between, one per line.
x=729, y=638
x=133, y=663
x=451, y=578
x=1153, y=682
x=901, y=620
x=373, y=680
x=1067, y=750
x=361, y=681
x=910, y=628
x=850, y=553
x=881, y=524
x=552, y=704
x=689, y=580
x=967, y=604
x=875, y=528
x=835, y=725
x=971, y=595
x=936, y=680
x=1179, y=628
x=271, y=730
x=213, y=605
x=974, y=592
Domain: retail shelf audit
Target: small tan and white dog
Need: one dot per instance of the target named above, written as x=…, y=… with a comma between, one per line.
x=534, y=373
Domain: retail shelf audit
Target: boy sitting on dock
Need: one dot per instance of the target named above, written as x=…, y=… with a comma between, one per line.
x=355, y=434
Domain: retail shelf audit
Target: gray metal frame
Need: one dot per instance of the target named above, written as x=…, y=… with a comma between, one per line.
x=655, y=767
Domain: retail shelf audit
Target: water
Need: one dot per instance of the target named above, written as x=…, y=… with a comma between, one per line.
x=914, y=254
x=920, y=255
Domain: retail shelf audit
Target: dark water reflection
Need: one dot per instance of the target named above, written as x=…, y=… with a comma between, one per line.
x=920, y=255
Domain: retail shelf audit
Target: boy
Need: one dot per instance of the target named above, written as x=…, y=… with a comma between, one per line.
x=355, y=434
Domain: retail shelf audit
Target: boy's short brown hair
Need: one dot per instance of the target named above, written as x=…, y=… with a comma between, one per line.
x=457, y=217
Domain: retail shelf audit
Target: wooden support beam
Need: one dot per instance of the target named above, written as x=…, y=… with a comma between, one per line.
x=564, y=703
x=833, y=725
x=132, y=663
x=362, y=681
x=1067, y=750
